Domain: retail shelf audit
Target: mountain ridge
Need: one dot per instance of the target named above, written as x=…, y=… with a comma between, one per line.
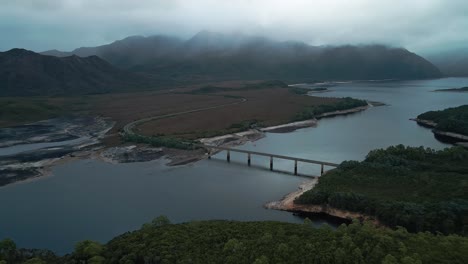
x=209, y=55
x=26, y=73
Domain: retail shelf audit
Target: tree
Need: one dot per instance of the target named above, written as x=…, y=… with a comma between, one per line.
x=35, y=261
x=86, y=250
x=8, y=250
x=161, y=220
x=261, y=260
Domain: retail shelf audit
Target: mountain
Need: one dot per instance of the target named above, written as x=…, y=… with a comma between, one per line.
x=453, y=62
x=208, y=56
x=458, y=68
x=26, y=73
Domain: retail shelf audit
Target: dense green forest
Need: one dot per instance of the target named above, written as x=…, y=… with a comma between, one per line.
x=256, y=242
x=248, y=87
x=451, y=119
x=314, y=111
x=419, y=189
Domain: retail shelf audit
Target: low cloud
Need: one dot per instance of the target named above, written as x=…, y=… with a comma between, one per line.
x=420, y=25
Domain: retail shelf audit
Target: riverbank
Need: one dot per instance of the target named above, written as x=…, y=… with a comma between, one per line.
x=443, y=135
x=30, y=151
x=287, y=204
x=256, y=134
x=38, y=163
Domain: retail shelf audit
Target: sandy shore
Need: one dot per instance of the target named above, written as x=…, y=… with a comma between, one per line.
x=287, y=204
x=285, y=128
x=426, y=123
x=255, y=134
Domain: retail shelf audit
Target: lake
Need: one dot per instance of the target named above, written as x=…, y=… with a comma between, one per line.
x=90, y=199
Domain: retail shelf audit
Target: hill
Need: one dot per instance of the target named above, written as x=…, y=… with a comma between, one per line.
x=456, y=68
x=208, y=56
x=254, y=242
x=419, y=189
x=453, y=63
x=453, y=119
x=25, y=73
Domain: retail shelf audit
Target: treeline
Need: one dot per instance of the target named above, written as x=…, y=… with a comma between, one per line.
x=259, y=243
x=161, y=141
x=463, y=89
x=209, y=89
x=419, y=189
x=314, y=111
x=451, y=119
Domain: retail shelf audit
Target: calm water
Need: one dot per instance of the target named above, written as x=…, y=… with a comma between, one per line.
x=94, y=200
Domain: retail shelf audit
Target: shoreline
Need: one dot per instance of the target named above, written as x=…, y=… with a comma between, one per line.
x=287, y=204
x=128, y=153
x=256, y=134
x=443, y=134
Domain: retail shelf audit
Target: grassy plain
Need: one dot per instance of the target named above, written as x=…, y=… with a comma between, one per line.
x=263, y=103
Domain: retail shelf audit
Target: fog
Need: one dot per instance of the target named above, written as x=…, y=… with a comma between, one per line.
x=420, y=25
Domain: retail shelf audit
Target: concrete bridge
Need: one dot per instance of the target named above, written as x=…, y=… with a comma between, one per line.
x=272, y=157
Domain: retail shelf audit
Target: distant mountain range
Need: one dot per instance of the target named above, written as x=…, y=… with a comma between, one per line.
x=209, y=56
x=26, y=73
x=452, y=63
x=162, y=61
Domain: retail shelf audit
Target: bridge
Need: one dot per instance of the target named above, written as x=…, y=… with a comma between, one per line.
x=272, y=157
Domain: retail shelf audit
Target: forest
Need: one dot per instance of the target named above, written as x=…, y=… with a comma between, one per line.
x=416, y=188
x=451, y=119
x=255, y=242
x=314, y=111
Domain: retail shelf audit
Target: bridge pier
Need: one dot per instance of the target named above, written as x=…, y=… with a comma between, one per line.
x=295, y=167
x=212, y=150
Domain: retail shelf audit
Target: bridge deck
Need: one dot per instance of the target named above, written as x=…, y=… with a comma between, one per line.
x=272, y=155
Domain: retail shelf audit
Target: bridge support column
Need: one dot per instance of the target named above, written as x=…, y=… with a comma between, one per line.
x=321, y=171
x=295, y=167
x=271, y=163
x=248, y=159
x=228, y=156
x=209, y=154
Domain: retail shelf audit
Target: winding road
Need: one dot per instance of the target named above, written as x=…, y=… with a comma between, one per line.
x=128, y=128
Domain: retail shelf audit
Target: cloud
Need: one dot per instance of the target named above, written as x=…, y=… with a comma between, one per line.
x=420, y=25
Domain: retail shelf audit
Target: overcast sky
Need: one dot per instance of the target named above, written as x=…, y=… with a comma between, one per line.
x=419, y=25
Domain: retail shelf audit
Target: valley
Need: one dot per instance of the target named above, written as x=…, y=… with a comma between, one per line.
x=125, y=169
x=256, y=132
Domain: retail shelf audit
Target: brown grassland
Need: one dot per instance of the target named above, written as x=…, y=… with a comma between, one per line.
x=267, y=107
x=272, y=106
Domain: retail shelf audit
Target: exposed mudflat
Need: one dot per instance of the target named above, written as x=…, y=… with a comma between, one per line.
x=28, y=151
x=132, y=153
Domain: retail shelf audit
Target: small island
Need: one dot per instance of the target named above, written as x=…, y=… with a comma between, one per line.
x=458, y=90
